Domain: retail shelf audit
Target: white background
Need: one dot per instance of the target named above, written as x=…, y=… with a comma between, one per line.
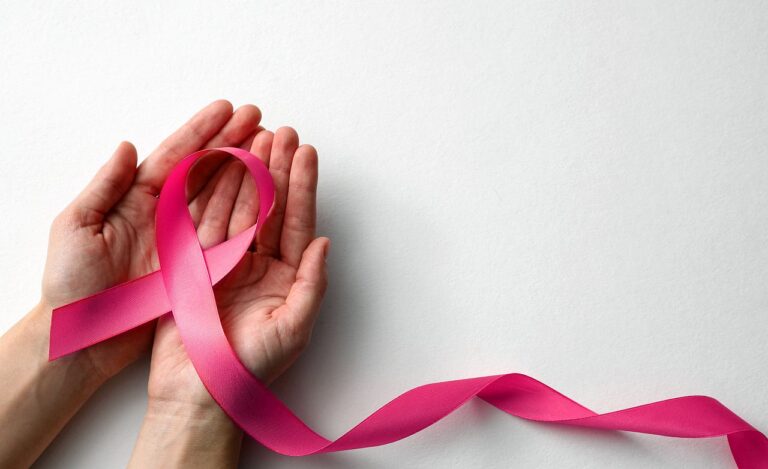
x=574, y=190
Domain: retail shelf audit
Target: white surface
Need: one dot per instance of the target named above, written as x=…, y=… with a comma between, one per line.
x=573, y=190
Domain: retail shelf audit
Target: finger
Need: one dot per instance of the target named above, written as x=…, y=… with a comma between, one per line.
x=243, y=123
x=248, y=142
x=198, y=202
x=284, y=145
x=188, y=138
x=108, y=186
x=241, y=127
x=262, y=146
x=213, y=225
x=303, y=301
x=247, y=204
x=300, y=212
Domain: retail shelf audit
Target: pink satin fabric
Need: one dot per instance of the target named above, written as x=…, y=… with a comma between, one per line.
x=183, y=286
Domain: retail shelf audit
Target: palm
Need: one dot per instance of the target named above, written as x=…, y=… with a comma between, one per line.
x=101, y=253
x=247, y=312
x=268, y=301
x=249, y=301
x=106, y=236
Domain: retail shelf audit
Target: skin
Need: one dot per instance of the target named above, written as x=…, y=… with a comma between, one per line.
x=268, y=303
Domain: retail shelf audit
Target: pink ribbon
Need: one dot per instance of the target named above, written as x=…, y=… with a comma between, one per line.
x=183, y=286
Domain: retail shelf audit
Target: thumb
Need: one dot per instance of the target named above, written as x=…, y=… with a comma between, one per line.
x=303, y=301
x=109, y=184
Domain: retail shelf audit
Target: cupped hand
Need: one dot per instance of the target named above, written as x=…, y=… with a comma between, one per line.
x=106, y=236
x=269, y=301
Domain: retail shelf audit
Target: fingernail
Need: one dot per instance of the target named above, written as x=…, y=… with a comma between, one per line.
x=325, y=250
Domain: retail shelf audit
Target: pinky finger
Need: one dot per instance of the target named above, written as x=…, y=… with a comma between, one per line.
x=303, y=301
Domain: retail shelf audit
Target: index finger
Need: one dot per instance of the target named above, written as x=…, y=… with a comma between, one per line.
x=191, y=136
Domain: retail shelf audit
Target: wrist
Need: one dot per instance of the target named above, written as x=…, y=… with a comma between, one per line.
x=38, y=396
x=101, y=360
x=81, y=371
x=181, y=414
x=184, y=434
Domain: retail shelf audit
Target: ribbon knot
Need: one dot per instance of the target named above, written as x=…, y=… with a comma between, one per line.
x=184, y=286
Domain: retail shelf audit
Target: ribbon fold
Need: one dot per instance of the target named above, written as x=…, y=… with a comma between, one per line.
x=184, y=287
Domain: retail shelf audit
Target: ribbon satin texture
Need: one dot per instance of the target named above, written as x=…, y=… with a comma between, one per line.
x=183, y=286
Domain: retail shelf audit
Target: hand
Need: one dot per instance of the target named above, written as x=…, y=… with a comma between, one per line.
x=269, y=301
x=106, y=236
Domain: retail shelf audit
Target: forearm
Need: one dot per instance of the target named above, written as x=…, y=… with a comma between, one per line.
x=186, y=435
x=38, y=397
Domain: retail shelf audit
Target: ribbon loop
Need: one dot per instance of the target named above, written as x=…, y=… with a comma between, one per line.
x=184, y=286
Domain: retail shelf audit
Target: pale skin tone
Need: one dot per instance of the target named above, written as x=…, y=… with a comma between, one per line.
x=268, y=303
